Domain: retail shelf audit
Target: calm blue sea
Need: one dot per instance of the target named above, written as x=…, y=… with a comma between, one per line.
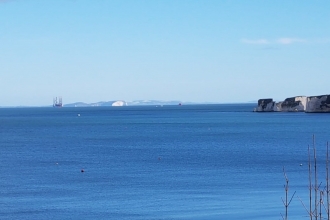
x=187, y=162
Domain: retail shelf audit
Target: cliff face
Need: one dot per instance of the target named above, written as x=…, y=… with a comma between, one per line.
x=278, y=107
x=296, y=104
x=293, y=104
x=265, y=105
x=318, y=103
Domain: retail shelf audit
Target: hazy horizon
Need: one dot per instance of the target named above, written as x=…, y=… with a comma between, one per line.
x=135, y=102
x=192, y=51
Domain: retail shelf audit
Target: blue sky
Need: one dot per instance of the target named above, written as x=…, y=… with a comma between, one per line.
x=188, y=50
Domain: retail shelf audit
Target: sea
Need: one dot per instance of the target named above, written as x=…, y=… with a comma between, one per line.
x=188, y=162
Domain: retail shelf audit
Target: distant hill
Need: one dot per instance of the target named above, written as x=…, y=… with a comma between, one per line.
x=123, y=103
x=95, y=104
x=153, y=102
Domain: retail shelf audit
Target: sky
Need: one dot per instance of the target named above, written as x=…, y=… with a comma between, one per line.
x=220, y=51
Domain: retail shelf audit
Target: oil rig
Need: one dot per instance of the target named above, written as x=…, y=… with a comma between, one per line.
x=57, y=102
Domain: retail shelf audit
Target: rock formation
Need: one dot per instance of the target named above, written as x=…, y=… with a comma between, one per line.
x=296, y=104
x=318, y=103
x=265, y=105
x=293, y=104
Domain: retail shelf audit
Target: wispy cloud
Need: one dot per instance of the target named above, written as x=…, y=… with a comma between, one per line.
x=282, y=40
x=258, y=41
x=287, y=40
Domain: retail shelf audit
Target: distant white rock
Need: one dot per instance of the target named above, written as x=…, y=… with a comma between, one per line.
x=318, y=103
x=119, y=103
x=308, y=104
x=293, y=104
x=265, y=105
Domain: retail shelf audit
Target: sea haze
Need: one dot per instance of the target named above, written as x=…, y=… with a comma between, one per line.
x=146, y=162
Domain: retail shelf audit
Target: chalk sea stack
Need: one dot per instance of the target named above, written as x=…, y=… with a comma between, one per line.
x=310, y=104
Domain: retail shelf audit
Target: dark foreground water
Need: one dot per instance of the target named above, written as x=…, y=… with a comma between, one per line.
x=170, y=162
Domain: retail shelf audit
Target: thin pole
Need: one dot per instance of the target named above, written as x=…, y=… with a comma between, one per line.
x=286, y=196
x=327, y=168
x=321, y=202
x=287, y=202
x=310, y=183
x=315, y=173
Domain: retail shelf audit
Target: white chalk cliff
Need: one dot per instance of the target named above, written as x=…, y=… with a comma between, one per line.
x=296, y=104
x=265, y=105
x=119, y=103
x=318, y=103
x=293, y=104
